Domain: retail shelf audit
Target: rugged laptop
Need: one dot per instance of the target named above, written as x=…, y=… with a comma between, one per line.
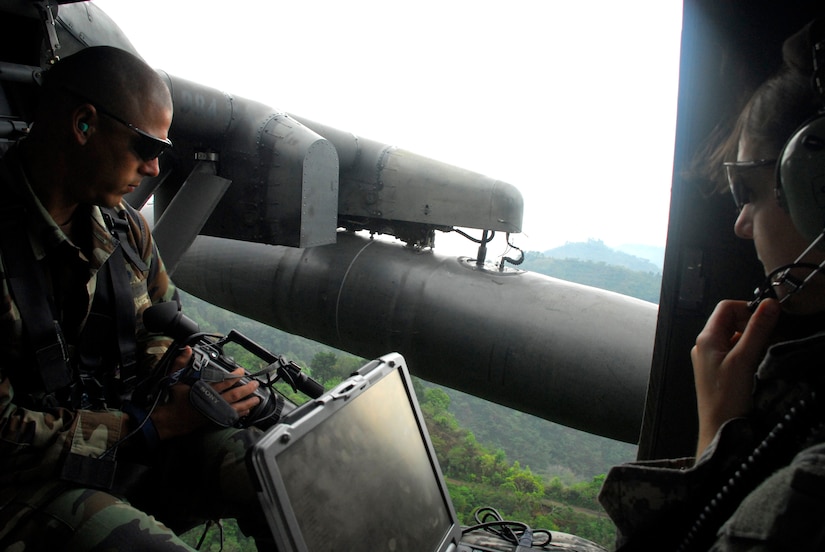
x=355, y=470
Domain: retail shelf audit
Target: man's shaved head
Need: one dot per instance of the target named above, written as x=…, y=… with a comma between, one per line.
x=103, y=119
x=117, y=80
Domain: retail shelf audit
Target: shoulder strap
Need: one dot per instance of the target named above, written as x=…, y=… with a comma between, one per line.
x=118, y=224
x=27, y=283
x=114, y=292
x=113, y=301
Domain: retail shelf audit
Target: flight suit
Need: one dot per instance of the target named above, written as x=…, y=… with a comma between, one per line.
x=774, y=475
x=201, y=476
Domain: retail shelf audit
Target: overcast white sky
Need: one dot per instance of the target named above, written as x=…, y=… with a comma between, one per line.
x=574, y=103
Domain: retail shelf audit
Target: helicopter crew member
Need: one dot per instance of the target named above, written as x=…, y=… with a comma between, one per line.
x=78, y=267
x=758, y=481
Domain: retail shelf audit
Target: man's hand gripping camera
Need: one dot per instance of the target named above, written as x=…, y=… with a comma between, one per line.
x=210, y=365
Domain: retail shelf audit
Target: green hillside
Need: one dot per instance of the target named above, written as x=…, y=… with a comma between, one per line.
x=597, y=251
x=548, y=449
x=642, y=285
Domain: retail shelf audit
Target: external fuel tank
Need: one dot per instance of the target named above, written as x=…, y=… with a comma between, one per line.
x=562, y=351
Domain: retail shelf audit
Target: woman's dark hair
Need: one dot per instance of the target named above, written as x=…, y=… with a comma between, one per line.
x=780, y=105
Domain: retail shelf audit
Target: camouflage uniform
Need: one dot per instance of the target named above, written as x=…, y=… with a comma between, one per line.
x=201, y=476
x=784, y=507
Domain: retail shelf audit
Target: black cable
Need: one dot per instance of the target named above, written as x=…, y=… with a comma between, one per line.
x=137, y=428
x=510, y=260
x=481, y=241
x=515, y=532
x=206, y=528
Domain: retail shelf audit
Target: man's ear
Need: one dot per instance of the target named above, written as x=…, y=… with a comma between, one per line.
x=84, y=119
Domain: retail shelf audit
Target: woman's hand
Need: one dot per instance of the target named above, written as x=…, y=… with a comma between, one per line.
x=725, y=359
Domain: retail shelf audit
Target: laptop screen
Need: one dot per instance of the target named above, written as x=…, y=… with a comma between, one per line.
x=363, y=477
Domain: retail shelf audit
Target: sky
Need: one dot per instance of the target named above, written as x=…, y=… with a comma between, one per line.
x=574, y=103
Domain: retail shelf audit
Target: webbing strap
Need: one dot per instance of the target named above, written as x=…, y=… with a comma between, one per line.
x=113, y=302
x=27, y=280
x=116, y=291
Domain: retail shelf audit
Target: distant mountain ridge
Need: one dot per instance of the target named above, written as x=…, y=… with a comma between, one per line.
x=594, y=264
x=639, y=258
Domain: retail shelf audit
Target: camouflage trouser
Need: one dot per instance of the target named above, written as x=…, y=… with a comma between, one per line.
x=192, y=479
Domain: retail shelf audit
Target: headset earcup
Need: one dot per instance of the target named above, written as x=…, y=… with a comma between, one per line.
x=801, y=178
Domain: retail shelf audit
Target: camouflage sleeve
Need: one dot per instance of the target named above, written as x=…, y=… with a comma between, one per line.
x=23, y=434
x=635, y=494
x=641, y=495
x=35, y=440
x=27, y=438
x=35, y=443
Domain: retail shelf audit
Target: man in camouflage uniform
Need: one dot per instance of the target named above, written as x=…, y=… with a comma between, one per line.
x=102, y=124
x=758, y=482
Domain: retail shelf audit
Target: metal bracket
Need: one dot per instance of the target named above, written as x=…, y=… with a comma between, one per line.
x=188, y=211
x=47, y=18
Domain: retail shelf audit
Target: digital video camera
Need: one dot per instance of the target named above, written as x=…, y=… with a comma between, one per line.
x=209, y=364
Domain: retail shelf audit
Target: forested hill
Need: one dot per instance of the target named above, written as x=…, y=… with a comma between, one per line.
x=594, y=264
x=639, y=258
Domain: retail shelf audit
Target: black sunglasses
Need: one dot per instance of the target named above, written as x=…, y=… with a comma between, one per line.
x=738, y=189
x=147, y=146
